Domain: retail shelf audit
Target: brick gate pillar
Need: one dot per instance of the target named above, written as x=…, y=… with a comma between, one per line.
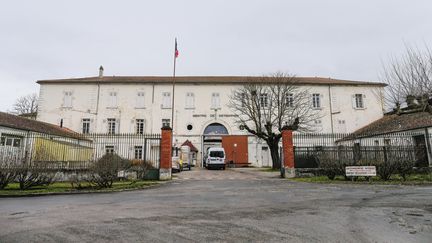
x=288, y=170
x=165, y=154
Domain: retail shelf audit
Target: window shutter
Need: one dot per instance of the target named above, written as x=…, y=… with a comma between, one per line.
x=321, y=97
x=364, y=101
x=117, y=128
x=353, y=101
x=335, y=104
x=140, y=100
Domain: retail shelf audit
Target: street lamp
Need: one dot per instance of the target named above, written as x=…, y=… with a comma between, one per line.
x=234, y=157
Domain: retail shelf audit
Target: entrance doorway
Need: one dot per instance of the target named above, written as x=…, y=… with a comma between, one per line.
x=212, y=137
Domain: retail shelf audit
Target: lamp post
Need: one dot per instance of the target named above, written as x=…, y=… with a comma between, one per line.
x=234, y=157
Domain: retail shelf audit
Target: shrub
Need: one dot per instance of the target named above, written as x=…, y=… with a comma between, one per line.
x=142, y=168
x=405, y=167
x=7, y=175
x=392, y=164
x=105, y=170
x=333, y=167
x=29, y=176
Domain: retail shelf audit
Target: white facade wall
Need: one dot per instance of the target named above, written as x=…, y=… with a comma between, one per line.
x=92, y=101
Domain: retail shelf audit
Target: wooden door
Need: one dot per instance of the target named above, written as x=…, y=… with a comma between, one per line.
x=236, y=149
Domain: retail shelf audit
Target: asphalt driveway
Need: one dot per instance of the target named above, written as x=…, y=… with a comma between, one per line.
x=238, y=205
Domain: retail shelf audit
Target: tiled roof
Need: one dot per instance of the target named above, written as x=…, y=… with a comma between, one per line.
x=204, y=80
x=191, y=146
x=394, y=123
x=17, y=122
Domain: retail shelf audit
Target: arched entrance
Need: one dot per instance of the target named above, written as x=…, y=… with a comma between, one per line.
x=212, y=136
x=215, y=129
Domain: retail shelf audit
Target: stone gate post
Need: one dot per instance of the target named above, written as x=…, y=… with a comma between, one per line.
x=288, y=170
x=165, y=154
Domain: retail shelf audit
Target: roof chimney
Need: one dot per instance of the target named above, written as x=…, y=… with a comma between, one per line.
x=411, y=101
x=101, y=71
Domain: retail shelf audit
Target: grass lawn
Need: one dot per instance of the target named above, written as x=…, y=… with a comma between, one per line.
x=414, y=179
x=65, y=187
x=269, y=169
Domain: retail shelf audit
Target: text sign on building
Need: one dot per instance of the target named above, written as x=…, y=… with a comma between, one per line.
x=360, y=171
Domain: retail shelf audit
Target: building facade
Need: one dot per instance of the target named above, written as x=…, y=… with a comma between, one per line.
x=141, y=105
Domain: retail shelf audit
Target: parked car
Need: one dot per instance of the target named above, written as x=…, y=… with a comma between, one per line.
x=185, y=157
x=215, y=158
x=176, y=165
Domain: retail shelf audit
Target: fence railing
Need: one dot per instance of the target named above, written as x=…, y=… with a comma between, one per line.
x=419, y=137
x=417, y=145
x=309, y=157
x=79, y=151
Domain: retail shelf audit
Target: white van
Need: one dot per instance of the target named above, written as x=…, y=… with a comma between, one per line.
x=215, y=158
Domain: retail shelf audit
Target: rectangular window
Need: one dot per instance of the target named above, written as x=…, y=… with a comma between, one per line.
x=166, y=122
x=359, y=101
x=10, y=141
x=290, y=100
x=263, y=99
x=67, y=99
x=341, y=126
x=109, y=149
x=85, y=126
x=316, y=101
x=138, y=152
x=17, y=142
x=140, y=126
x=140, y=100
x=112, y=125
x=215, y=101
x=166, y=100
x=190, y=100
x=112, y=101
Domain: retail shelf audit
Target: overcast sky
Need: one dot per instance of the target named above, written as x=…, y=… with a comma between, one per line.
x=340, y=39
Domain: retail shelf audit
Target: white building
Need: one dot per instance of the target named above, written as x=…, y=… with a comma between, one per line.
x=121, y=104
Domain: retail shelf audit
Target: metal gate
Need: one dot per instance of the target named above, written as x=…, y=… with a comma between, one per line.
x=152, y=151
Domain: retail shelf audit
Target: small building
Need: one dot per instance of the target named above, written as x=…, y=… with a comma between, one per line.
x=24, y=140
x=193, y=150
x=407, y=128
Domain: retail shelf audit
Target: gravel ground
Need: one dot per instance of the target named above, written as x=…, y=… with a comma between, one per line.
x=235, y=205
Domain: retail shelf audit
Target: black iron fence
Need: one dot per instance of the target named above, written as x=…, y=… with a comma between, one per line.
x=356, y=149
x=306, y=157
x=79, y=151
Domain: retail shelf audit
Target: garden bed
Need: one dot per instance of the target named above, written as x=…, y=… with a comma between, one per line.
x=66, y=188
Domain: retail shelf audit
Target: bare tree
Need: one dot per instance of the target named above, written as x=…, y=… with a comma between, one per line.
x=26, y=104
x=409, y=80
x=266, y=106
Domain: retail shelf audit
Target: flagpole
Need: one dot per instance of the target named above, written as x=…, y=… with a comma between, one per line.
x=173, y=86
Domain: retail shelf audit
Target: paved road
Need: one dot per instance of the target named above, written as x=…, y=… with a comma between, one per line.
x=225, y=206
